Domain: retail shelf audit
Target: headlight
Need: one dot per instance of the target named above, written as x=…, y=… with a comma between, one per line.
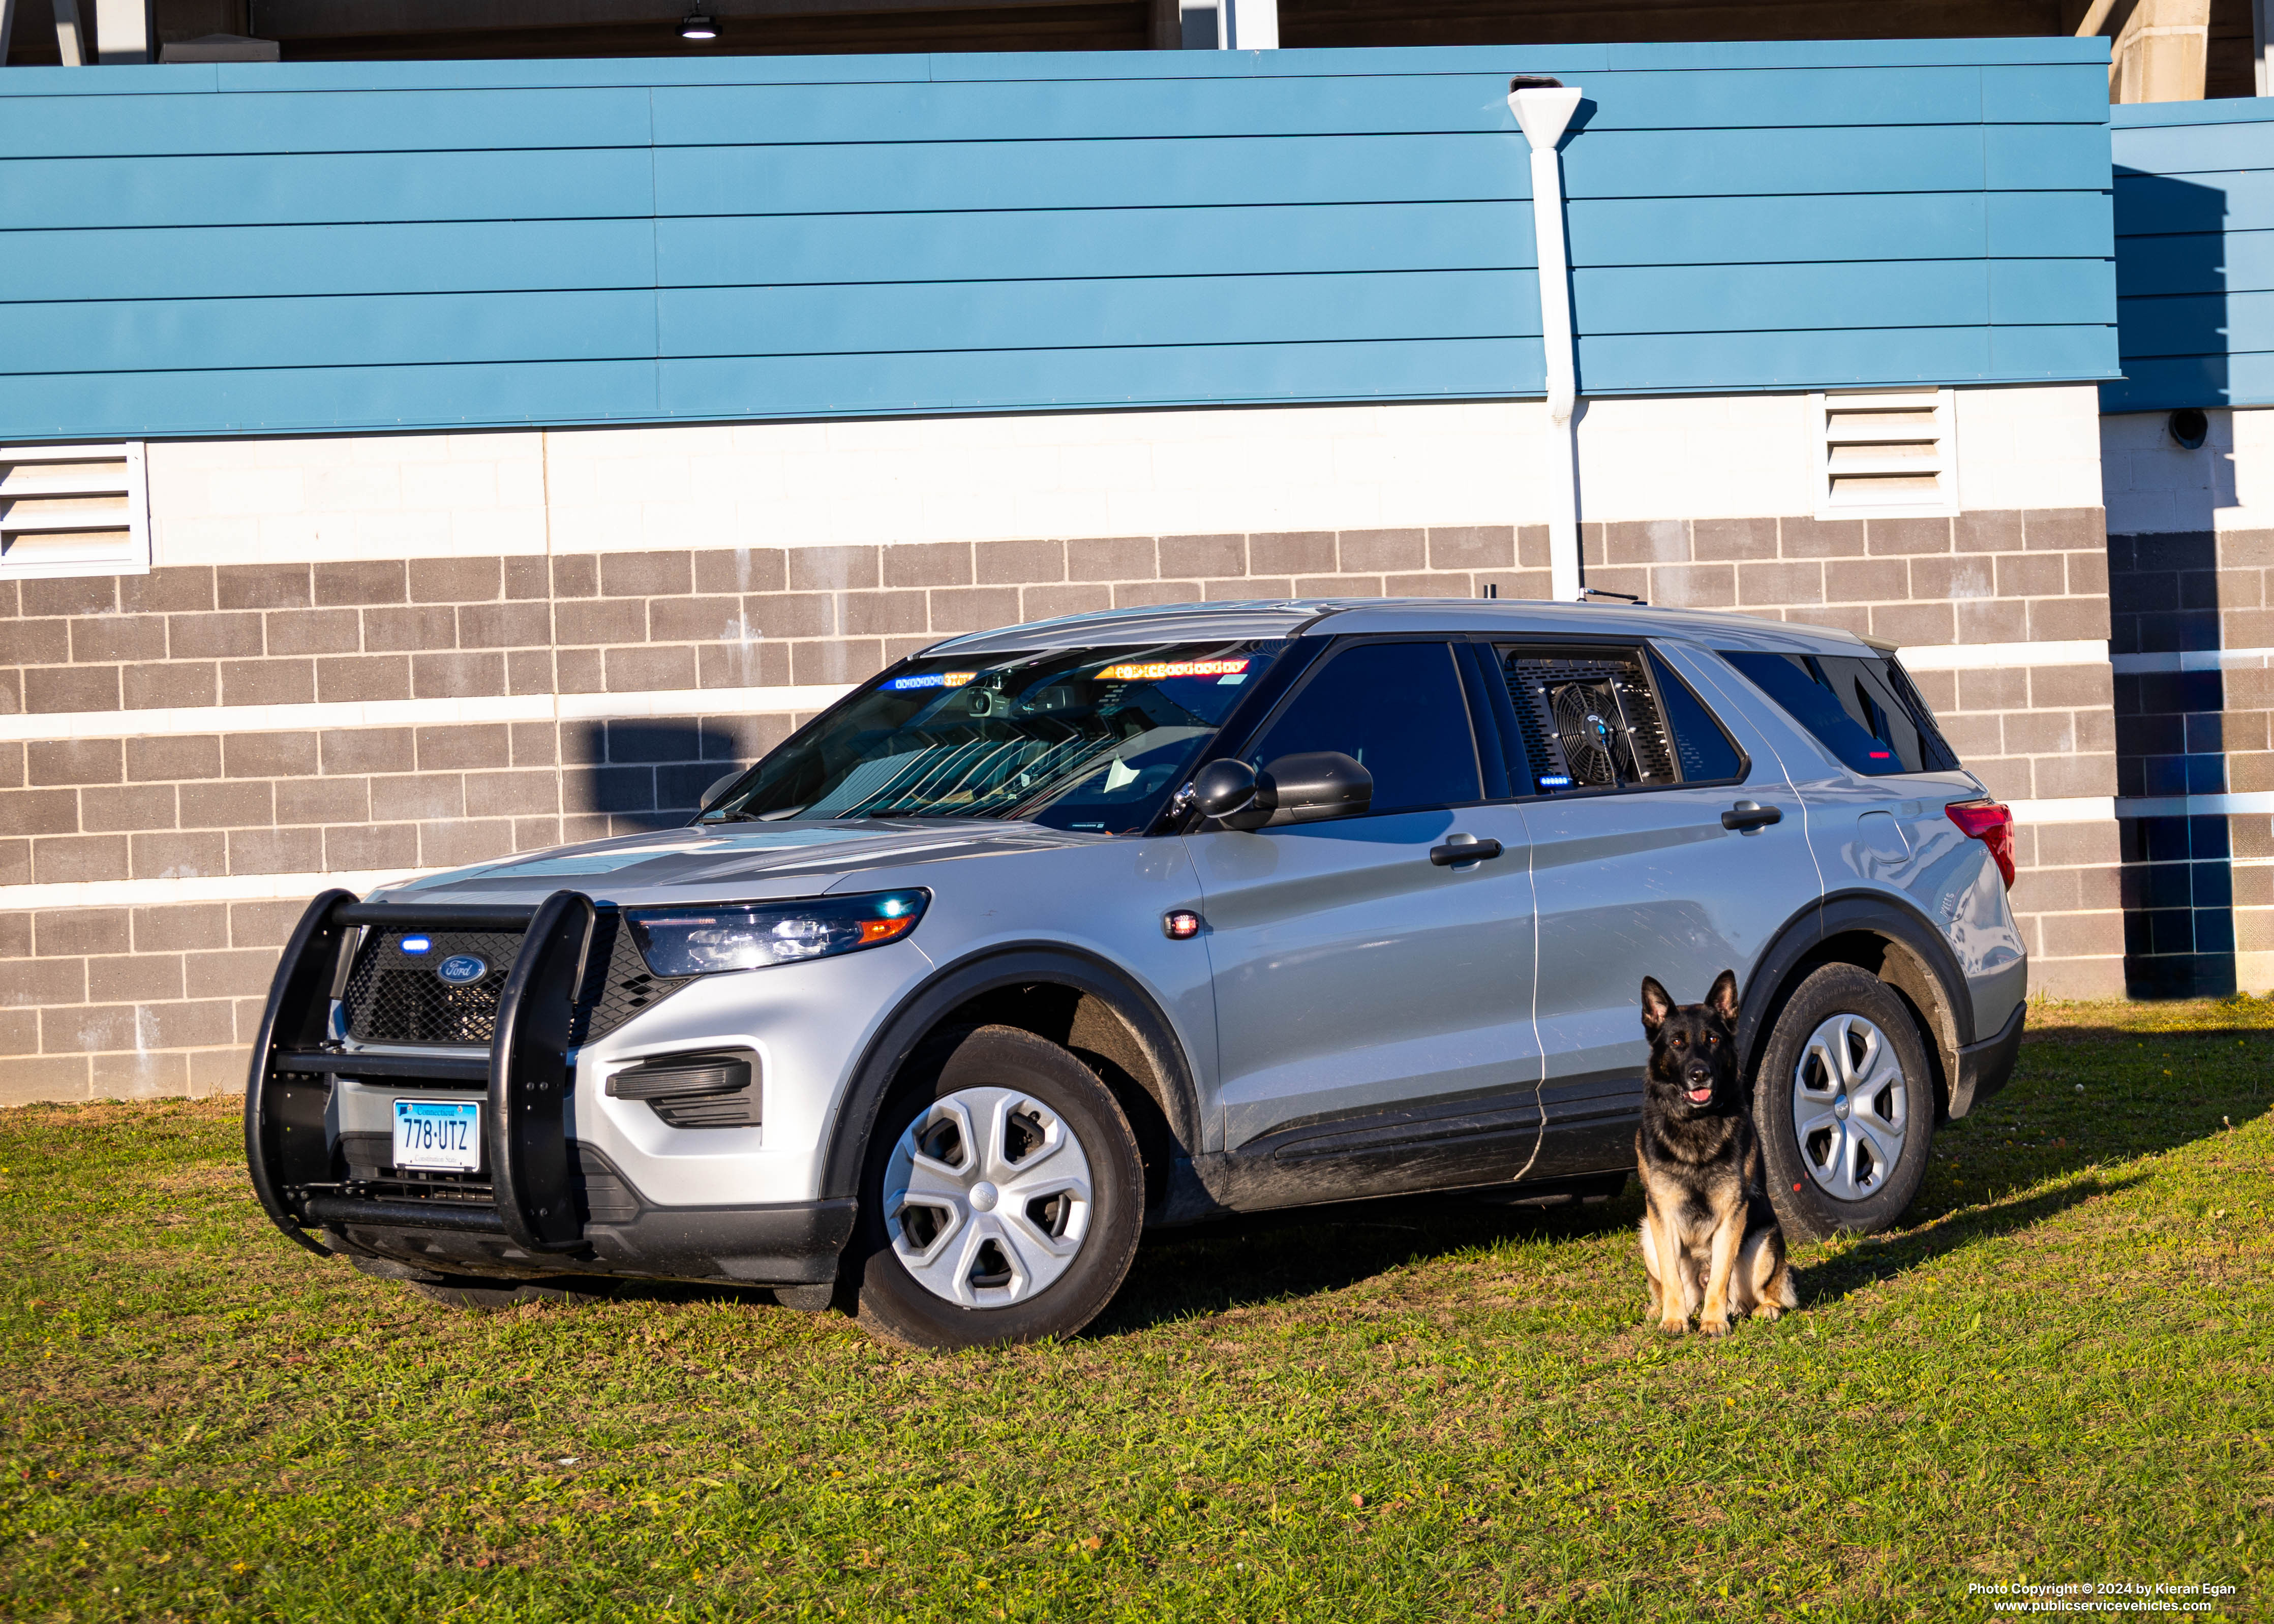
x=751, y=936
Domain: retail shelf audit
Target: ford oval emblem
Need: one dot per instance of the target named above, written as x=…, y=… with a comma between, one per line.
x=461, y=969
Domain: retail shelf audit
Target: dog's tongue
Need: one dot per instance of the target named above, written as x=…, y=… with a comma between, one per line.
x=1698, y=1096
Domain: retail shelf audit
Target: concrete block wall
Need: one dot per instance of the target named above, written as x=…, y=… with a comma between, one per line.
x=2003, y=617
x=2191, y=550
x=358, y=659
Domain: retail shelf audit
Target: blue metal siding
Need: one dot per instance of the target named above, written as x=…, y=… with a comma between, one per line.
x=2195, y=255
x=268, y=249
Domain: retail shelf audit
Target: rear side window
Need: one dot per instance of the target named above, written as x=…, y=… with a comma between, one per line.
x=1397, y=708
x=1862, y=709
x=1609, y=718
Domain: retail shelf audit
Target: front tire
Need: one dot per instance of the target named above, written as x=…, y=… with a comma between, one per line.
x=1844, y=1104
x=1001, y=1200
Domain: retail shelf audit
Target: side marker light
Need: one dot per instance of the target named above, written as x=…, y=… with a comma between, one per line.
x=1180, y=926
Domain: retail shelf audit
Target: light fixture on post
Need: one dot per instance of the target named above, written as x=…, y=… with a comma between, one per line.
x=696, y=26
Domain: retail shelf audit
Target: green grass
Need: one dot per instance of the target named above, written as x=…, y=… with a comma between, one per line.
x=2060, y=1371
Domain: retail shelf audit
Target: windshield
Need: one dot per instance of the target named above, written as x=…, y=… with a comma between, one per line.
x=1086, y=739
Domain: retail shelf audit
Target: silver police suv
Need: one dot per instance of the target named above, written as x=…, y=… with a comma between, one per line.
x=1050, y=935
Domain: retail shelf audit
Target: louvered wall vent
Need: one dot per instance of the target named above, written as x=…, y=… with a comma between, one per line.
x=1885, y=454
x=73, y=510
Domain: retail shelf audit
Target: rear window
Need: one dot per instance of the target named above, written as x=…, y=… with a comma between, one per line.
x=1862, y=709
x=1597, y=719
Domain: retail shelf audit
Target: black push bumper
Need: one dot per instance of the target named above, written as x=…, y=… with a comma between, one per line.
x=532, y=1217
x=1984, y=1067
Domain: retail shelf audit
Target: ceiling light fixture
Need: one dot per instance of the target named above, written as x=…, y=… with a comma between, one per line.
x=696, y=26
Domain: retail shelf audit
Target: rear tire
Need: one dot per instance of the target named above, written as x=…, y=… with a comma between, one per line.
x=1844, y=1104
x=1000, y=1201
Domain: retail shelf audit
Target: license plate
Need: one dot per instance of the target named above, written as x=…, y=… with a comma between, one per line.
x=444, y=1135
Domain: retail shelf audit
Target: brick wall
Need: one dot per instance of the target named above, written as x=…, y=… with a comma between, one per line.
x=161, y=997
x=2035, y=732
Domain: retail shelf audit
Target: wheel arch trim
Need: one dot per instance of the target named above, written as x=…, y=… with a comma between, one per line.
x=993, y=968
x=1949, y=1018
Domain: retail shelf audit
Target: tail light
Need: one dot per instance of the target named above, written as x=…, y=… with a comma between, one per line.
x=1991, y=823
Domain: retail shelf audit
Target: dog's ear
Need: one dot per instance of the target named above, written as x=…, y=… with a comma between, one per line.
x=1656, y=1005
x=1723, y=1000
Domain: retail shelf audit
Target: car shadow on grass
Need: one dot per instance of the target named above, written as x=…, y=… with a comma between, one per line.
x=1885, y=1257
x=1260, y=1257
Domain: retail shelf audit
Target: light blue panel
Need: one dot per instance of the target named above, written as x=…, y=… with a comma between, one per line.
x=2227, y=110
x=1700, y=163
x=1936, y=225
x=1757, y=298
x=2044, y=157
x=402, y=121
x=2053, y=352
x=2199, y=324
x=2034, y=293
x=1721, y=56
x=286, y=77
x=2031, y=95
x=801, y=386
x=2163, y=383
x=233, y=261
x=1756, y=98
x=2160, y=205
x=2189, y=150
x=395, y=330
x=2188, y=323
x=111, y=405
x=2205, y=263
x=950, y=174
x=1083, y=242
x=293, y=190
x=172, y=78
x=1081, y=110
x=1161, y=310
x=2073, y=224
x=1648, y=363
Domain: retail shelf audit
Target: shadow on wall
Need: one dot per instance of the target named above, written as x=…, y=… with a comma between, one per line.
x=2169, y=468
x=649, y=773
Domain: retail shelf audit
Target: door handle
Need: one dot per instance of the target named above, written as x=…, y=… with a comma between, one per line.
x=1747, y=815
x=1460, y=849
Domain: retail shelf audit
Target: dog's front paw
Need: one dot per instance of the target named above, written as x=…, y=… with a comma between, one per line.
x=1767, y=1311
x=1714, y=1325
x=1675, y=1327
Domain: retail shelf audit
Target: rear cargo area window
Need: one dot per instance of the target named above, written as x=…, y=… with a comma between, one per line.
x=1862, y=709
x=1588, y=720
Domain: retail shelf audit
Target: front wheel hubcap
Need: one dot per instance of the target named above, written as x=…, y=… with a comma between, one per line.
x=987, y=1198
x=1849, y=1107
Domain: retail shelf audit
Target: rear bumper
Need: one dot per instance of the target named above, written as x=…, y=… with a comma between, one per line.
x=552, y=1205
x=1984, y=1067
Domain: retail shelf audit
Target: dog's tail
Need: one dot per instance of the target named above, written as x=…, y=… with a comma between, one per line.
x=1788, y=1295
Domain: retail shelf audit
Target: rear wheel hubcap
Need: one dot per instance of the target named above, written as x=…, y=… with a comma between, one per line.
x=1850, y=1110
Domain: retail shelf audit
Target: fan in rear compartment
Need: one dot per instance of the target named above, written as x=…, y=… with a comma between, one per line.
x=1592, y=728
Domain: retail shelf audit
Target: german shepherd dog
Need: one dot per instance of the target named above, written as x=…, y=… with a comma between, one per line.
x=1709, y=1237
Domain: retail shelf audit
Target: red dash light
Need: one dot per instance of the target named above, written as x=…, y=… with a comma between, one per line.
x=1180, y=926
x=1991, y=823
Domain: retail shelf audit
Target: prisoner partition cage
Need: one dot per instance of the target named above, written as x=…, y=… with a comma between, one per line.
x=525, y=443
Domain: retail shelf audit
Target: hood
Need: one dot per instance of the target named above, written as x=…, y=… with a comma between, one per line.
x=738, y=861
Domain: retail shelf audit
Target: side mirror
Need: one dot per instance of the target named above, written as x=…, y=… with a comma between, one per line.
x=1227, y=789
x=1303, y=789
x=1315, y=785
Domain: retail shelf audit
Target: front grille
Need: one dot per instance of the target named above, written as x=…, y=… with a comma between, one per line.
x=396, y=998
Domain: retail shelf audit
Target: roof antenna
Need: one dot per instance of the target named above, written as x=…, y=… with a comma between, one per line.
x=1604, y=591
